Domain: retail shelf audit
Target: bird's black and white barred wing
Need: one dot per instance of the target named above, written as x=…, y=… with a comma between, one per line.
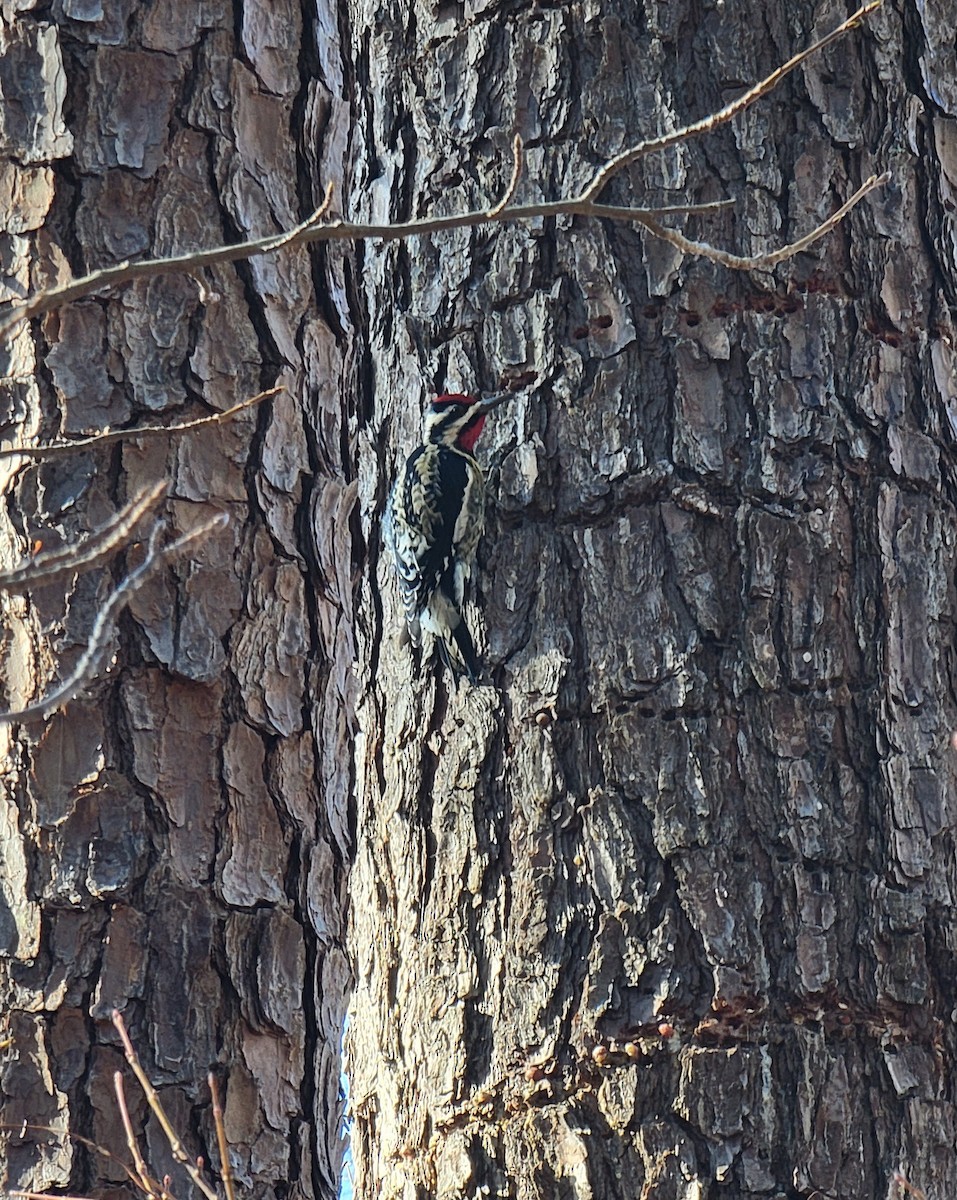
x=420, y=525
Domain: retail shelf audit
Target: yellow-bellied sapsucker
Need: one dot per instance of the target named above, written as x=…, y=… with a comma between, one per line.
x=433, y=522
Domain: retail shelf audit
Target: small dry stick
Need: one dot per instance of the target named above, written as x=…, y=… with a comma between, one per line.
x=153, y=1100
x=59, y=449
x=605, y=210
x=284, y=239
x=517, y=159
x=761, y=262
x=55, y=564
x=89, y=660
x=121, y=272
x=94, y=1147
x=613, y=212
x=225, y=1165
x=143, y=1178
x=43, y=1195
x=729, y=112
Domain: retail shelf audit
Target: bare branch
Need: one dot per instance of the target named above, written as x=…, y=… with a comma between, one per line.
x=225, y=1165
x=729, y=112
x=43, y=1195
x=144, y=1182
x=517, y=159
x=92, y=1146
x=315, y=229
x=613, y=212
x=55, y=564
x=152, y=1098
x=760, y=262
x=89, y=660
x=543, y=208
x=123, y=272
x=59, y=449
x=286, y=239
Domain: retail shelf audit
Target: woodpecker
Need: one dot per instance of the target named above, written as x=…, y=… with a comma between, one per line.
x=433, y=522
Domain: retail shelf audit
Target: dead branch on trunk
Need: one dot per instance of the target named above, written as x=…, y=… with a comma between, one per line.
x=65, y=561
x=585, y=204
x=60, y=449
x=89, y=661
x=92, y=550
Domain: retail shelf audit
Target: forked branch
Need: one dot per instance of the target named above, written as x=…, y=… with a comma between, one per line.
x=53, y=565
x=92, y=550
x=729, y=112
x=762, y=262
x=153, y=1100
x=89, y=661
x=139, y=1174
x=585, y=204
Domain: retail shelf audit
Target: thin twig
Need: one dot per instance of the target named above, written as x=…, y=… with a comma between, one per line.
x=614, y=212
x=190, y=262
x=723, y=115
x=285, y=239
x=517, y=159
x=94, y=1147
x=905, y=1186
x=42, y=1195
x=153, y=1100
x=314, y=229
x=55, y=564
x=59, y=449
x=761, y=262
x=89, y=660
x=145, y=1183
x=225, y=1166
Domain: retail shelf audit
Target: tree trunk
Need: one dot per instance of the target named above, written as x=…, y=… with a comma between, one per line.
x=175, y=843
x=665, y=908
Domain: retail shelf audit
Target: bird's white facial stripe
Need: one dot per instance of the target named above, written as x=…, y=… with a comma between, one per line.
x=446, y=423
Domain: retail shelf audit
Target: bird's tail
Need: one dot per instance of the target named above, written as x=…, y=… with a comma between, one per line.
x=448, y=626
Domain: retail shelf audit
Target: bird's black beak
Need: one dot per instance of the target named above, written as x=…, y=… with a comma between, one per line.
x=487, y=403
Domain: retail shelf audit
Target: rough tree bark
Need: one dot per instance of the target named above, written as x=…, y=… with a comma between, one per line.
x=174, y=844
x=709, y=785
